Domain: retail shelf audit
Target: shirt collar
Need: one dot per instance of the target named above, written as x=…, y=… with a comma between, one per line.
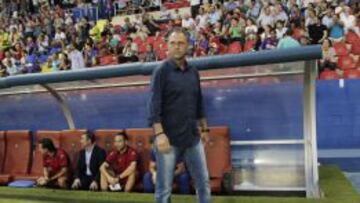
x=176, y=67
x=89, y=149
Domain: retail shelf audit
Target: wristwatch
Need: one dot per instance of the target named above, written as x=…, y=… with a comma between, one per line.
x=206, y=130
x=157, y=134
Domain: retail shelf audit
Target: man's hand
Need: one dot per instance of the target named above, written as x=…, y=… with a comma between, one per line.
x=94, y=186
x=162, y=143
x=76, y=184
x=205, y=137
x=42, y=181
x=113, y=181
x=154, y=178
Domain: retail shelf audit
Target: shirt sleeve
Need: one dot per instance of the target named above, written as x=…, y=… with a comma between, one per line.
x=133, y=156
x=200, y=104
x=155, y=101
x=45, y=163
x=63, y=160
x=153, y=156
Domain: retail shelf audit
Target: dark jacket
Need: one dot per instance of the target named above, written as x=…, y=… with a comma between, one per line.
x=97, y=158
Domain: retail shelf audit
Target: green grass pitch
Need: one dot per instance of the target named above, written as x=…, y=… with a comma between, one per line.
x=335, y=188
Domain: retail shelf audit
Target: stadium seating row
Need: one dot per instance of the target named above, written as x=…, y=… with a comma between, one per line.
x=19, y=162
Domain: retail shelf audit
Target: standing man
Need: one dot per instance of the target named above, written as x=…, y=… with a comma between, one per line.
x=87, y=172
x=176, y=109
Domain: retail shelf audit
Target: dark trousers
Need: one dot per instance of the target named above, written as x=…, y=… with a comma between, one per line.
x=86, y=182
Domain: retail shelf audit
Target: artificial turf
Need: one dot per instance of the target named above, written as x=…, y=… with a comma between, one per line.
x=334, y=185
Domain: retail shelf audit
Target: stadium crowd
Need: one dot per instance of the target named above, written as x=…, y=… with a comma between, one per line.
x=45, y=36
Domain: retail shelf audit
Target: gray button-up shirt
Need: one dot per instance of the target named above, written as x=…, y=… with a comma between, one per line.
x=176, y=102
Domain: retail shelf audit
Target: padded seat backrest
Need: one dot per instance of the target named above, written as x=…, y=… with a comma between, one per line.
x=2, y=150
x=218, y=151
x=105, y=138
x=139, y=139
x=70, y=142
x=18, y=152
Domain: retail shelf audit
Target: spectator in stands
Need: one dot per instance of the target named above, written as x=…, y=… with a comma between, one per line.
x=150, y=54
x=91, y=157
x=266, y=18
x=195, y=6
x=295, y=13
x=214, y=49
x=280, y=15
x=254, y=10
x=59, y=35
x=230, y=5
x=337, y=30
x=328, y=19
x=270, y=42
x=11, y=64
x=120, y=167
x=250, y=28
x=236, y=31
x=64, y=62
x=317, y=32
x=348, y=19
x=202, y=19
x=329, y=56
x=130, y=52
x=280, y=29
x=76, y=57
x=181, y=176
x=128, y=27
x=288, y=41
x=47, y=66
x=56, y=165
x=310, y=18
x=214, y=15
x=90, y=54
x=150, y=24
x=187, y=21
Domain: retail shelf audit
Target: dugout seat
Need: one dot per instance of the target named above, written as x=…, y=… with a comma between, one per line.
x=2, y=150
x=329, y=75
x=17, y=155
x=218, y=157
x=139, y=139
x=70, y=142
x=234, y=48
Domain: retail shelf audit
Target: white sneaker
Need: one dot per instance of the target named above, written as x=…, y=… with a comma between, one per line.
x=116, y=187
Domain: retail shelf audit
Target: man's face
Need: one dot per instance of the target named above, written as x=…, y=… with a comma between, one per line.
x=84, y=141
x=43, y=151
x=119, y=143
x=267, y=11
x=177, y=45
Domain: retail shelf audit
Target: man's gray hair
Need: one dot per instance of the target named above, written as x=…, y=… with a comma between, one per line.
x=178, y=30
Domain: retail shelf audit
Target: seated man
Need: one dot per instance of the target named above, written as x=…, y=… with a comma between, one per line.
x=181, y=176
x=119, y=169
x=56, y=165
x=91, y=157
